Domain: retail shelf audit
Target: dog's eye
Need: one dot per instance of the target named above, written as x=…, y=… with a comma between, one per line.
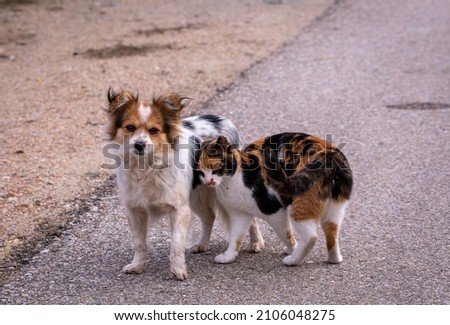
x=131, y=128
x=153, y=131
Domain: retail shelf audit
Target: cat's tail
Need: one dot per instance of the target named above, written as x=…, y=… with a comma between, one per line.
x=329, y=169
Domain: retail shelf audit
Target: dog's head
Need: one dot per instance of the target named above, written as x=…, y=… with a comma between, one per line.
x=144, y=127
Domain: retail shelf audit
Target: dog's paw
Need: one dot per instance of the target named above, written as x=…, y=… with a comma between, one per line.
x=179, y=272
x=198, y=248
x=257, y=247
x=134, y=268
x=225, y=258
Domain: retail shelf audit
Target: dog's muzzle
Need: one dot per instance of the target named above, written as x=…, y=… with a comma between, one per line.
x=139, y=147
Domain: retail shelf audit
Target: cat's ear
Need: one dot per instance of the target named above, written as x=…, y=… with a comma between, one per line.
x=223, y=141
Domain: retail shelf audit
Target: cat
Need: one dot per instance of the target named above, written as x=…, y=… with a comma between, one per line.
x=290, y=180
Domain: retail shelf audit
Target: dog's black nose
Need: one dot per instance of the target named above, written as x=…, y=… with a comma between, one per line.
x=139, y=146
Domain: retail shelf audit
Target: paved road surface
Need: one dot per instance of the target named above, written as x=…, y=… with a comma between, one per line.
x=375, y=75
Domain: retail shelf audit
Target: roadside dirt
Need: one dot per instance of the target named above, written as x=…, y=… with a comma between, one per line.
x=57, y=60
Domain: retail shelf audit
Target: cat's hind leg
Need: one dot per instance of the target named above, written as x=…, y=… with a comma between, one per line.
x=306, y=231
x=331, y=221
x=282, y=227
x=306, y=210
x=239, y=225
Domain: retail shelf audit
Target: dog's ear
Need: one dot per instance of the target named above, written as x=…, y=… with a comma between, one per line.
x=173, y=102
x=185, y=101
x=112, y=95
x=117, y=100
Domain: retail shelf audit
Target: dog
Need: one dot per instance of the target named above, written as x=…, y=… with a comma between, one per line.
x=155, y=176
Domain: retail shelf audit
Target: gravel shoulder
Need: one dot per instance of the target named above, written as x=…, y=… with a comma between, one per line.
x=57, y=60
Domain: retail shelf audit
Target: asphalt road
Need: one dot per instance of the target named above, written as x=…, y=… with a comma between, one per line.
x=374, y=75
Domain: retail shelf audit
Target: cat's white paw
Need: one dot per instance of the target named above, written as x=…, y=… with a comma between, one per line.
x=225, y=258
x=288, y=250
x=290, y=260
x=198, y=248
x=136, y=268
x=334, y=259
x=258, y=246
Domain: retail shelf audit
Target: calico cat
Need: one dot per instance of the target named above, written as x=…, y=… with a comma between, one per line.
x=289, y=180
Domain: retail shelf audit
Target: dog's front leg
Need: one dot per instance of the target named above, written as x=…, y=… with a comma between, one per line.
x=137, y=220
x=179, y=219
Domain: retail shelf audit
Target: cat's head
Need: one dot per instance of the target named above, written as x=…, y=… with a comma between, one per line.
x=217, y=159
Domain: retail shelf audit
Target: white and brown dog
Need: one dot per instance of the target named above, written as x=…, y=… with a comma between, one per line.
x=155, y=176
